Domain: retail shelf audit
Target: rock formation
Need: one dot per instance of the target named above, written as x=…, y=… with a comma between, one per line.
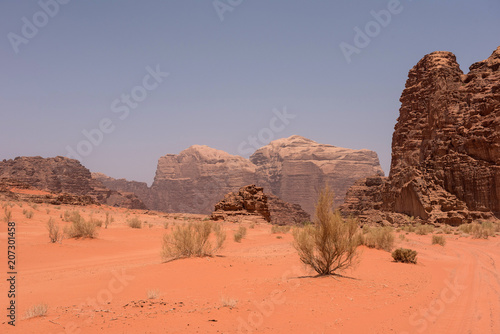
x=296, y=168
x=293, y=169
x=446, y=145
x=252, y=201
x=195, y=179
x=66, y=177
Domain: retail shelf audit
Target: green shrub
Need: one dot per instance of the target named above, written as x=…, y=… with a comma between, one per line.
x=192, y=240
x=380, y=237
x=134, y=222
x=438, y=240
x=331, y=243
x=405, y=255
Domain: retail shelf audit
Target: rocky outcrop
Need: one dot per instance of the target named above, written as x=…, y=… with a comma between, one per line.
x=252, y=201
x=446, y=145
x=293, y=168
x=66, y=177
x=140, y=189
x=195, y=179
x=296, y=168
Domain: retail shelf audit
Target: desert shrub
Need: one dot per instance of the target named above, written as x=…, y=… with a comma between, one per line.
x=80, y=228
x=252, y=226
x=192, y=240
x=228, y=302
x=109, y=220
x=28, y=214
x=447, y=229
x=7, y=214
x=66, y=216
x=280, y=229
x=150, y=225
x=330, y=244
x=408, y=228
x=240, y=234
x=134, y=222
x=34, y=206
x=47, y=210
x=54, y=234
x=380, y=237
x=165, y=225
x=479, y=230
x=96, y=221
x=38, y=310
x=424, y=229
x=438, y=240
x=402, y=237
x=405, y=255
x=153, y=293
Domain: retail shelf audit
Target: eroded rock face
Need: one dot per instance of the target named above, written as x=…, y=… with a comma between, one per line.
x=446, y=145
x=67, y=177
x=252, y=201
x=195, y=179
x=296, y=168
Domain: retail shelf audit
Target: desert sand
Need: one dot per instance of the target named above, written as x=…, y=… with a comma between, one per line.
x=256, y=286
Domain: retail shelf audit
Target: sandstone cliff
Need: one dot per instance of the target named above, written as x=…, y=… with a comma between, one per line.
x=61, y=175
x=195, y=179
x=446, y=144
x=296, y=168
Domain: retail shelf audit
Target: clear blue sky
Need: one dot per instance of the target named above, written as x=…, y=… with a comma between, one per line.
x=225, y=77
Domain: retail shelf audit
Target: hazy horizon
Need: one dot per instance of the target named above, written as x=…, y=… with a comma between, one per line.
x=157, y=77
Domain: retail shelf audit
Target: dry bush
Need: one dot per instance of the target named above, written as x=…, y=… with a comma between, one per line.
x=438, y=240
x=134, y=222
x=96, y=222
x=28, y=214
x=280, y=229
x=479, y=230
x=7, y=215
x=252, y=226
x=228, y=302
x=408, y=228
x=192, y=240
x=165, y=225
x=153, y=293
x=402, y=237
x=330, y=244
x=380, y=237
x=80, y=228
x=405, y=255
x=424, y=229
x=38, y=310
x=240, y=234
x=109, y=220
x=54, y=233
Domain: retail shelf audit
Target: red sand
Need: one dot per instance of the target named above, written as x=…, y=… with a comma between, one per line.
x=101, y=285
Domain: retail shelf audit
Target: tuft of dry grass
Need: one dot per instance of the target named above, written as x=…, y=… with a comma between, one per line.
x=192, y=240
x=38, y=310
x=280, y=229
x=134, y=222
x=54, y=233
x=153, y=293
x=228, y=302
x=240, y=234
x=424, y=229
x=438, y=240
x=80, y=228
x=28, y=214
x=109, y=220
x=380, y=237
x=7, y=215
x=480, y=230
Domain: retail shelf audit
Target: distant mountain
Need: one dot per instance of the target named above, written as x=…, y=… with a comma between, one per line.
x=65, y=176
x=294, y=169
